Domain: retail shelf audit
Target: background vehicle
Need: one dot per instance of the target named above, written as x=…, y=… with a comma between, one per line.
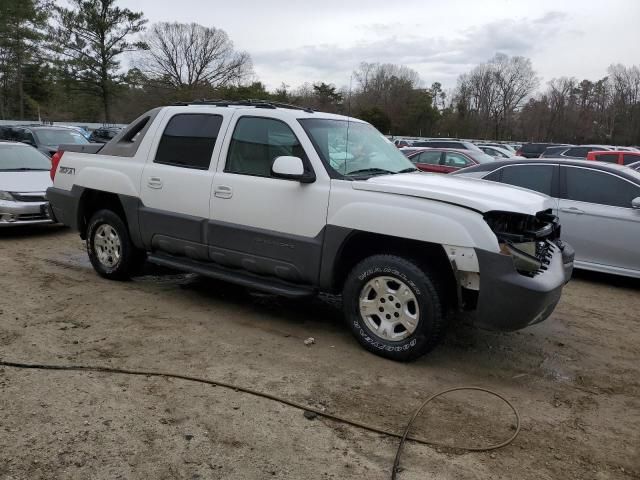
x=402, y=143
x=598, y=205
x=292, y=201
x=81, y=130
x=497, y=152
x=623, y=157
x=534, y=150
x=503, y=146
x=24, y=178
x=581, y=151
x=44, y=138
x=635, y=166
x=457, y=144
x=555, y=151
x=446, y=160
x=104, y=134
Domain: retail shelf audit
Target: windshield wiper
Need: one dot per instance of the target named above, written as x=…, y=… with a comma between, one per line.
x=372, y=171
x=408, y=170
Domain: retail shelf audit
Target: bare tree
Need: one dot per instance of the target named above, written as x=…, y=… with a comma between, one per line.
x=185, y=56
x=494, y=91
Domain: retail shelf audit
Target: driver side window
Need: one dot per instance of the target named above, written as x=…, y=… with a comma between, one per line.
x=257, y=142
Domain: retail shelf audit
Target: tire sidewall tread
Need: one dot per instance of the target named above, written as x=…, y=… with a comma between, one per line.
x=427, y=291
x=129, y=255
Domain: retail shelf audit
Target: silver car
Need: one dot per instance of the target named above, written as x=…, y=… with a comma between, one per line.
x=24, y=179
x=598, y=205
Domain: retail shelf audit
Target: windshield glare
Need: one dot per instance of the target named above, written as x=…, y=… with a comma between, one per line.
x=354, y=148
x=15, y=157
x=59, y=137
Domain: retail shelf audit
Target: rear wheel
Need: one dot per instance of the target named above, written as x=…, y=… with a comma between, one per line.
x=109, y=246
x=394, y=308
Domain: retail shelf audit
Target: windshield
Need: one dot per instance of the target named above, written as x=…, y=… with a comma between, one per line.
x=18, y=157
x=354, y=148
x=59, y=137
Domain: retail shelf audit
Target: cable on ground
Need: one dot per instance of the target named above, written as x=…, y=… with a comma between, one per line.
x=403, y=436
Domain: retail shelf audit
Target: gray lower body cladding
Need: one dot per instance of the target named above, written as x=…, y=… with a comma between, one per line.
x=509, y=300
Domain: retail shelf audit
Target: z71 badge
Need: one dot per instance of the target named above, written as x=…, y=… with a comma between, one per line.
x=67, y=170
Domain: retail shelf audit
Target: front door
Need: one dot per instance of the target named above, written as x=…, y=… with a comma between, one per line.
x=262, y=224
x=176, y=185
x=597, y=218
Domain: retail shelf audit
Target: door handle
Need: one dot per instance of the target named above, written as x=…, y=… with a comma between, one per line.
x=223, y=191
x=573, y=210
x=154, y=182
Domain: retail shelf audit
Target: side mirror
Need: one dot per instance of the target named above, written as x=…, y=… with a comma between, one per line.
x=291, y=168
x=635, y=203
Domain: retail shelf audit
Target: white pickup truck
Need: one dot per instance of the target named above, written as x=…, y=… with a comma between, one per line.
x=295, y=202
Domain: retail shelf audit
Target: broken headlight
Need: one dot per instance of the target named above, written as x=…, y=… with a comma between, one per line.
x=525, y=238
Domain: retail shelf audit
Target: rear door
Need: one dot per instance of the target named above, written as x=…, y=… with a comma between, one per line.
x=176, y=183
x=542, y=178
x=597, y=218
x=428, y=161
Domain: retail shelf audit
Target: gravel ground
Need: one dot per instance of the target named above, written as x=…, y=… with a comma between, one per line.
x=575, y=380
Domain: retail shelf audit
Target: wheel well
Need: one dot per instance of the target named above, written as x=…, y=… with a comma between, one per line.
x=94, y=200
x=430, y=256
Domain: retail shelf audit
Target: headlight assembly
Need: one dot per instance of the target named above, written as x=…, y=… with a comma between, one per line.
x=6, y=196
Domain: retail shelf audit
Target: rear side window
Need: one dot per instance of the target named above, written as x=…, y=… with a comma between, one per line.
x=628, y=158
x=188, y=140
x=607, y=157
x=592, y=186
x=431, y=158
x=533, y=177
x=257, y=142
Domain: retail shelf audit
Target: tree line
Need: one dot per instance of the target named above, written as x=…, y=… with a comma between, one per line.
x=67, y=63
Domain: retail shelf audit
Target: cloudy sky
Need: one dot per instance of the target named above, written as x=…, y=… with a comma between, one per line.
x=297, y=41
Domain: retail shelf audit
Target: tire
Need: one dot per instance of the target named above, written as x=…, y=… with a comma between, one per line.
x=110, y=249
x=393, y=307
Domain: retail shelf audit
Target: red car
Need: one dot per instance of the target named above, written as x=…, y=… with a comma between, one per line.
x=447, y=160
x=615, y=156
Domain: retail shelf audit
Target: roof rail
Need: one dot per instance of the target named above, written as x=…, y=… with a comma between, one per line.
x=244, y=103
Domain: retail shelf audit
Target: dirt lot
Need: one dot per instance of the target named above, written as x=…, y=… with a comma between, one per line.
x=574, y=378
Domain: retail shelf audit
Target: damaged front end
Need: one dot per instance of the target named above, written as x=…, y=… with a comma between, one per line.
x=522, y=283
x=527, y=239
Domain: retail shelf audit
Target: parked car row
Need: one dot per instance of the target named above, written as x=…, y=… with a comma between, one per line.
x=47, y=138
x=598, y=205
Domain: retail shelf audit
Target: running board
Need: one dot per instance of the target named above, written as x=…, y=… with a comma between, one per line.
x=246, y=279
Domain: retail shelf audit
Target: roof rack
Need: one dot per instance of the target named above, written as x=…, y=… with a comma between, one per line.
x=244, y=103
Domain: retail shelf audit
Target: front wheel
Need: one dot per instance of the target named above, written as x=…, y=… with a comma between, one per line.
x=393, y=307
x=109, y=246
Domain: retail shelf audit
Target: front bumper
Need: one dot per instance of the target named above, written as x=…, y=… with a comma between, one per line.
x=24, y=213
x=508, y=300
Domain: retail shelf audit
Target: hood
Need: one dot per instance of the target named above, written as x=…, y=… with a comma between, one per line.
x=481, y=195
x=37, y=181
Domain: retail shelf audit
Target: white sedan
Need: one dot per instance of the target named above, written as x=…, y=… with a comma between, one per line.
x=24, y=179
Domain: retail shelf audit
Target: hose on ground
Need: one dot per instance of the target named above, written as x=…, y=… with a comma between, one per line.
x=237, y=388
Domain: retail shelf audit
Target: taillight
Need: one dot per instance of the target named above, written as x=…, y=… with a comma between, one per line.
x=55, y=161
